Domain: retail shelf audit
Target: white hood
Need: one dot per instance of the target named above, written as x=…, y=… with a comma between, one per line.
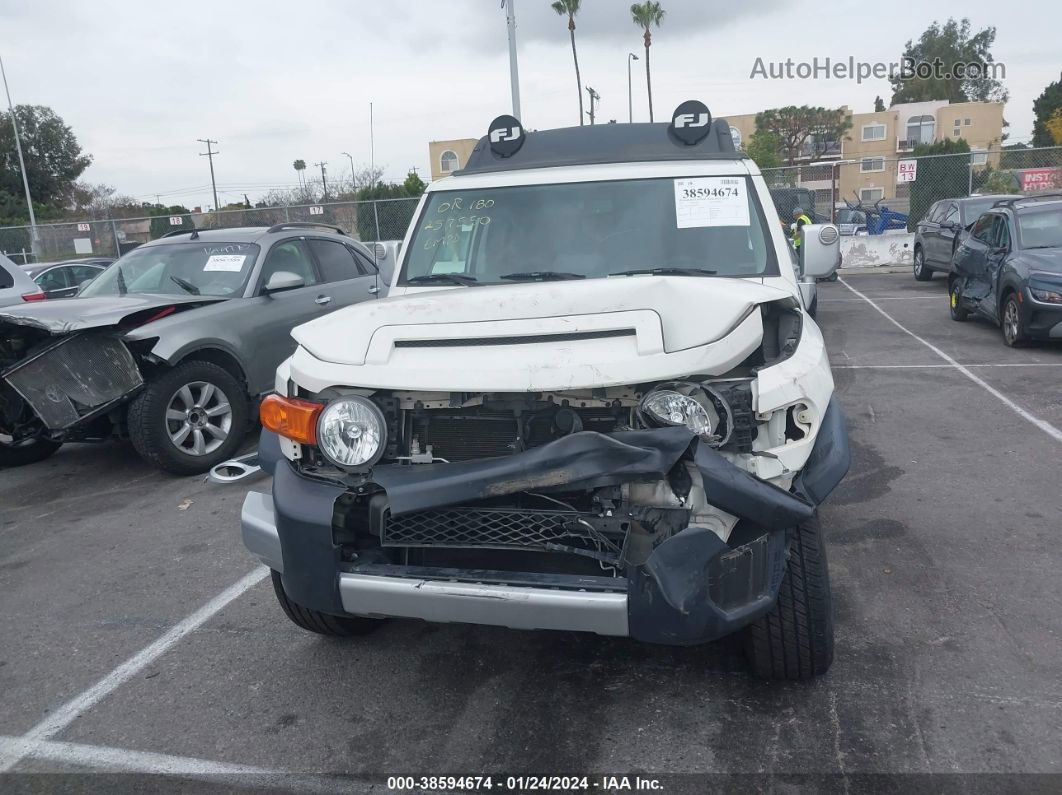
x=538, y=336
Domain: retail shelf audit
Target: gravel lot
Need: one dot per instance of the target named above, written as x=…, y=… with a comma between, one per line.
x=943, y=549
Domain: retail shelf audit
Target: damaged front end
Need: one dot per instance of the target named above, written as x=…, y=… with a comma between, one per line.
x=596, y=510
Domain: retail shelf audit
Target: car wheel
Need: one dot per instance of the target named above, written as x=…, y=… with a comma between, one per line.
x=921, y=272
x=189, y=419
x=322, y=623
x=1013, y=331
x=25, y=451
x=795, y=639
x=958, y=311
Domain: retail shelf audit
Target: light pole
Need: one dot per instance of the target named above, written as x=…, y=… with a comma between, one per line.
x=21, y=162
x=514, y=72
x=630, y=97
x=594, y=97
x=353, y=183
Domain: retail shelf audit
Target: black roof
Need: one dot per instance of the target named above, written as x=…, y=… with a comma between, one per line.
x=603, y=143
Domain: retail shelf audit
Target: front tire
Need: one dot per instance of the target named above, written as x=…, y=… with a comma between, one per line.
x=794, y=640
x=1014, y=334
x=921, y=271
x=955, y=306
x=322, y=623
x=26, y=451
x=189, y=418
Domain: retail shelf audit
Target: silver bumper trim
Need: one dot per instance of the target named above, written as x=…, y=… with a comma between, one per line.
x=474, y=603
x=258, y=526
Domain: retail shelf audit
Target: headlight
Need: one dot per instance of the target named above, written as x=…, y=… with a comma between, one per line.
x=1046, y=296
x=351, y=432
x=698, y=406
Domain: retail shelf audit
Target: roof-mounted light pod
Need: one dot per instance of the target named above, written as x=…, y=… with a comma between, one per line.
x=691, y=122
x=506, y=136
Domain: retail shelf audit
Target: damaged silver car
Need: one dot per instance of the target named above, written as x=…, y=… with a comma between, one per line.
x=173, y=345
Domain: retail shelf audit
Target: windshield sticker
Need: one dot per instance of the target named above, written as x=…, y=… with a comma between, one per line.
x=711, y=201
x=228, y=263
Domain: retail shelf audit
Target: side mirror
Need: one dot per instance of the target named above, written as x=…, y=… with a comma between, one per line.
x=820, y=250
x=283, y=280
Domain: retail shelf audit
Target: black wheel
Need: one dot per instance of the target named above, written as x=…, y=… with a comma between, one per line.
x=921, y=272
x=189, y=418
x=955, y=305
x=322, y=623
x=25, y=451
x=795, y=639
x=1011, y=325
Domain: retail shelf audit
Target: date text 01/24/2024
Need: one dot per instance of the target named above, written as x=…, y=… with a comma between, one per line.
x=523, y=783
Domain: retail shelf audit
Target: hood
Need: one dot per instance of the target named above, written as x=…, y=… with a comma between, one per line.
x=1048, y=260
x=539, y=335
x=78, y=314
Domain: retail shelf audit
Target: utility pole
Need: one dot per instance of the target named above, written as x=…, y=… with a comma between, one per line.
x=514, y=71
x=353, y=179
x=209, y=155
x=21, y=163
x=372, y=152
x=630, y=96
x=594, y=97
x=324, y=183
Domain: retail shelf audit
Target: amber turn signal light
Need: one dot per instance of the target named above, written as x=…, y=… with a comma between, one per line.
x=291, y=418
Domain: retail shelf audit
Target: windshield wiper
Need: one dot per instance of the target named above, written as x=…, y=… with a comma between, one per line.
x=451, y=278
x=541, y=276
x=667, y=272
x=185, y=285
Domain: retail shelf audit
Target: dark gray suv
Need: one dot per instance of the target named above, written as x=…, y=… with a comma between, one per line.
x=173, y=344
x=938, y=231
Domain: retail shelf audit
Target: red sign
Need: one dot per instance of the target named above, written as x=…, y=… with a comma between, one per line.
x=1035, y=179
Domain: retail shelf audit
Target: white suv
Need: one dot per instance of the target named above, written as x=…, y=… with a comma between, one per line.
x=594, y=400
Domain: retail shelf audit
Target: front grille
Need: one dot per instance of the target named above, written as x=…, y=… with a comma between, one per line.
x=532, y=339
x=489, y=527
x=75, y=377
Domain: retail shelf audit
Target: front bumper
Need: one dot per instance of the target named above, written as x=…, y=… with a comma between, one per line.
x=690, y=589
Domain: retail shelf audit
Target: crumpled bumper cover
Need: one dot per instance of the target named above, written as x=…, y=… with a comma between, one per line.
x=692, y=588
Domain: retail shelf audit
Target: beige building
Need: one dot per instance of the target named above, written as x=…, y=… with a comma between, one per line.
x=876, y=141
x=868, y=155
x=449, y=156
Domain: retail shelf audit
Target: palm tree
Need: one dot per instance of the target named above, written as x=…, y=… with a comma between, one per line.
x=645, y=15
x=299, y=166
x=571, y=8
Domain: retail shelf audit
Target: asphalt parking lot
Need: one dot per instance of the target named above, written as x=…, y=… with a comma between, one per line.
x=944, y=553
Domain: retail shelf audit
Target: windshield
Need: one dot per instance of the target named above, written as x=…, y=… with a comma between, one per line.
x=214, y=269
x=591, y=229
x=974, y=208
x=1041, y=228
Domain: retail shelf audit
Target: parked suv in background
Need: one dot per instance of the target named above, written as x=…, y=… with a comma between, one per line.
x=1009, y=269
x=64, y=279
x=16, y=286
x=593, y=401
x=937, y=233
x=173, y=344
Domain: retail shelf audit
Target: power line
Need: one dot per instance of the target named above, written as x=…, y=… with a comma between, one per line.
x=209, y=155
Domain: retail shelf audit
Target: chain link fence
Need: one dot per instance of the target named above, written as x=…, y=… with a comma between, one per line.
x=379, y=219
x=894, y=191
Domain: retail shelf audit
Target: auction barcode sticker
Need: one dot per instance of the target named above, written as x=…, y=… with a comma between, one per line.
x=711, y=201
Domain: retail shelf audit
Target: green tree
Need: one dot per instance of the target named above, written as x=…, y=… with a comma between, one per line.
x=414, y=185
x=53, y=156
x=938, y=177
x=764, y=148
x=795, y=126
x=645, y=16
x=570, y=8
x=300, y=167
x=1045, y=107
x=879, y=105
x=160, y=219
x=945, y=46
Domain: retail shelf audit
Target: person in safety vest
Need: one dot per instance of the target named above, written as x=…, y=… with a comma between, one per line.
x=799, y=221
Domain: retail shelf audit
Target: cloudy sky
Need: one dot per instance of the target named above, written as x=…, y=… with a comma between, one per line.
x=140, y=82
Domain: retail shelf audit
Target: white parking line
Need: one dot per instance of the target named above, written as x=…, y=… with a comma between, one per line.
x=122, y=760
x=938, y=366
x=66, y=714
x=1043, y=425
x=883, y=298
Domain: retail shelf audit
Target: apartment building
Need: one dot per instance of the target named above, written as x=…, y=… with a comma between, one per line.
x=877, y=140
x=449, y=156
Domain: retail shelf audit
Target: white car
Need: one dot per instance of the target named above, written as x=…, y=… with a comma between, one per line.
x=593, y=400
